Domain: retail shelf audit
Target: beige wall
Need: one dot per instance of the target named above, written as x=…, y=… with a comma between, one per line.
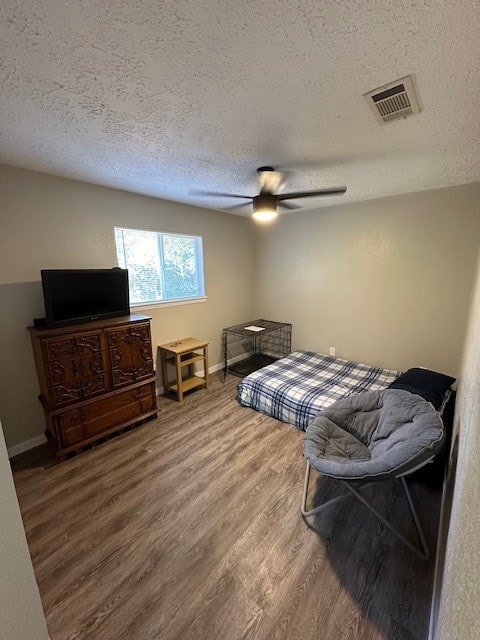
x=459, y=612
x=21, y=614
x=50, y=222
x=386, y=281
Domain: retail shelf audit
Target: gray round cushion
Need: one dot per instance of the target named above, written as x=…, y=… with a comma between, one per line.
x=374, y=435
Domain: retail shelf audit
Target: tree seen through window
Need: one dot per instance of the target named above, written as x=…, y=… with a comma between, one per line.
x=161, y=266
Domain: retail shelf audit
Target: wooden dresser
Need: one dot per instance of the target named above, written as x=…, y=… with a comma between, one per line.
x=95, y=378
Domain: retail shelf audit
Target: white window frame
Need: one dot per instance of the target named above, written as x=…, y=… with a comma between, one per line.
x=200, y=268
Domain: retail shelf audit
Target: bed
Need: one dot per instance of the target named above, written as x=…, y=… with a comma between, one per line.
x=295, y=388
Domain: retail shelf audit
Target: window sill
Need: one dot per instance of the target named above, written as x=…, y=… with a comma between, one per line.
x=146, y=306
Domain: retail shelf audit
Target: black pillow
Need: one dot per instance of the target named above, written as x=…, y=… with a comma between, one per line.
x=428, y=384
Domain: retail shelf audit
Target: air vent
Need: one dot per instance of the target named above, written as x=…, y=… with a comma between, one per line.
x=392, y=101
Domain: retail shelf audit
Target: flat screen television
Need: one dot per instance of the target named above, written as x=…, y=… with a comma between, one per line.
x=81, y=295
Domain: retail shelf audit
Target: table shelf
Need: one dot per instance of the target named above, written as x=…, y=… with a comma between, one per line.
x=192, y=382
x=190, y=360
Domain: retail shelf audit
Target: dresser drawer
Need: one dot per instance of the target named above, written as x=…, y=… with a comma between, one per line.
x=82, y=343
x=134, y=373
x=105, y=413
x=76, y=390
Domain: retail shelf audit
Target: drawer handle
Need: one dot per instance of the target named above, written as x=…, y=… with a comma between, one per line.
x=138, y=393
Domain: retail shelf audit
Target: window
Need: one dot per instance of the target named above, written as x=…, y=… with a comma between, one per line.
x=162, y=267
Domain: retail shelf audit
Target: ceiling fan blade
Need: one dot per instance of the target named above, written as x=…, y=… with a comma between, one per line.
x=218, y=194
x=288, y=205
x=310, y=194
x=237, y=206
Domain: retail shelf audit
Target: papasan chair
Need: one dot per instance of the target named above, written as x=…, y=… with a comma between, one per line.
x=374, y=436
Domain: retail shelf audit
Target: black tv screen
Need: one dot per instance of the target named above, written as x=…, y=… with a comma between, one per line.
x=82, y=295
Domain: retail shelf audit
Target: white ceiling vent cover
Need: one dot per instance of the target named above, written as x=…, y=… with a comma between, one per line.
x=392, y=101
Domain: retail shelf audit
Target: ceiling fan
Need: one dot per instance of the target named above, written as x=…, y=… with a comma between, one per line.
x=265, y=204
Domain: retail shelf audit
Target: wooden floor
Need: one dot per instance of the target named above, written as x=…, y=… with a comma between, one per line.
x=188, y=527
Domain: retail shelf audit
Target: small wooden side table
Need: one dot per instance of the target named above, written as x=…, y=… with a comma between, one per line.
x=184, y=353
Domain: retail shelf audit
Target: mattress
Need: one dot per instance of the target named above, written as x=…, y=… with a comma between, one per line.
x=295, y=388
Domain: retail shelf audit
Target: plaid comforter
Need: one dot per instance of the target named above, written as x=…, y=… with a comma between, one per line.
x=295, y=388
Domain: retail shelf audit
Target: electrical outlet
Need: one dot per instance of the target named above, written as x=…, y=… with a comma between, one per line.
x=332, y=351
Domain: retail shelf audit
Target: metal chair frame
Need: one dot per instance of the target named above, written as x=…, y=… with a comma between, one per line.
x=423, y=552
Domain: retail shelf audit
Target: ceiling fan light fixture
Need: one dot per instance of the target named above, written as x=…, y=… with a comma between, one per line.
x=265, y=215
x=264, y=207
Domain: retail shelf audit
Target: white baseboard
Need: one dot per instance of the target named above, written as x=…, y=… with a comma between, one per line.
x=212, y=369
x=25, y=446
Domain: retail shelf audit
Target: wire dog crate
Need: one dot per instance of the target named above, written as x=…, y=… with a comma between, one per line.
x=252, y=345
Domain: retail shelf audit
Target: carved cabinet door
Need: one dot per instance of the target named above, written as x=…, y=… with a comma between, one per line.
x=75, y=367
x=130, y=349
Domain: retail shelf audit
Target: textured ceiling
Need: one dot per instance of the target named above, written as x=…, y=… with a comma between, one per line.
x=164, y=97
